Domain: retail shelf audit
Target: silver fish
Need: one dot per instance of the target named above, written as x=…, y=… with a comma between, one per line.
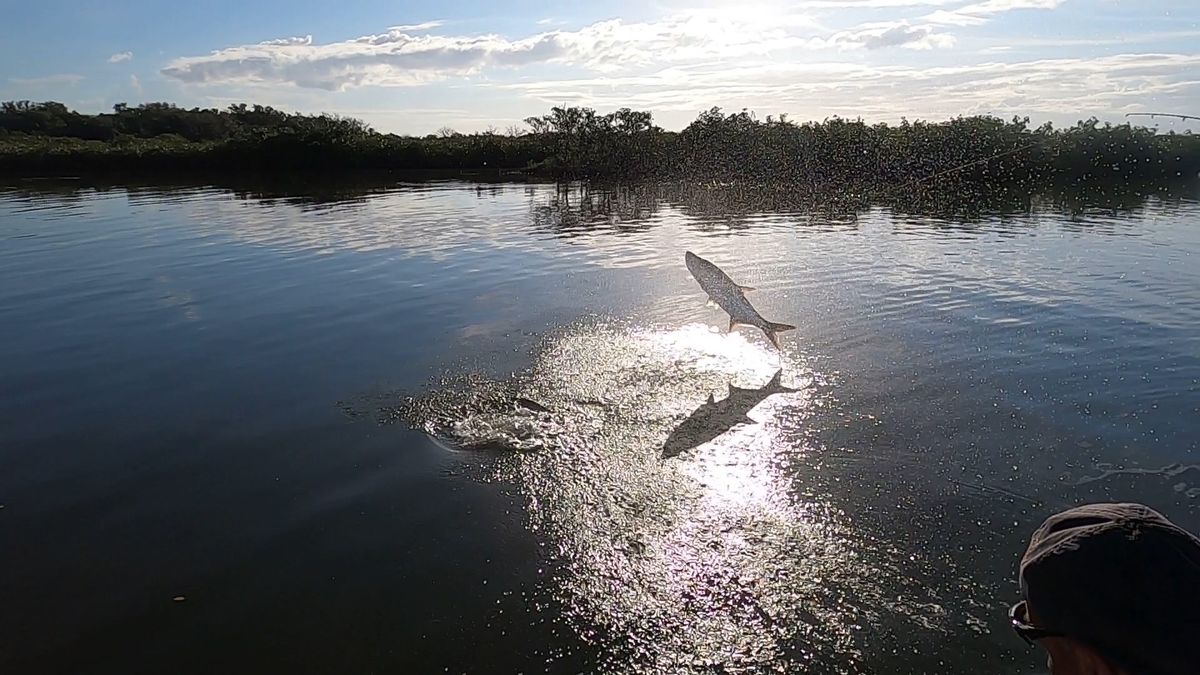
x=714, y=418
x=731, y=297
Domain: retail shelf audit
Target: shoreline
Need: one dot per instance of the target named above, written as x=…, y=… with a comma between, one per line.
x=982, y=152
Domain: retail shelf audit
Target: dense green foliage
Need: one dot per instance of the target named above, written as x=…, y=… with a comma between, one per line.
x=47, y=137
x=969, y=152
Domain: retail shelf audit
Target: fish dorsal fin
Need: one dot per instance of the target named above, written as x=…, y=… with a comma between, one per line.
x=735, y=391
x=746, y=289
x=776, y=384
x=711, y=400
x=746, y=419
x=731, y=389
x=710, y=303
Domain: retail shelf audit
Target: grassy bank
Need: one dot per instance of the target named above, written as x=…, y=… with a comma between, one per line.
x=967, y=153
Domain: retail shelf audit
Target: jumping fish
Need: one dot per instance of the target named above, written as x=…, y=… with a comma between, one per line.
x=731, y=297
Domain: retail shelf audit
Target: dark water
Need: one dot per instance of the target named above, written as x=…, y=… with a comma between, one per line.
x=208, y=394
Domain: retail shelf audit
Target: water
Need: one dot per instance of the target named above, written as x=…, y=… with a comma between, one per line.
x=420, y=427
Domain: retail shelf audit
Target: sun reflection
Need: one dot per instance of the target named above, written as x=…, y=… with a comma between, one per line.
x=679, y=561
x=739, y=470
x=710, y=348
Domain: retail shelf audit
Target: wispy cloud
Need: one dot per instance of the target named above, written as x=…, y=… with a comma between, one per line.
x=979, y=12
x=880, y=36
x=869, y=4
x=1064, y=89
x=135, y=84
x=47, y=80
x=428, y=25
x=1113, y=41
x=120, y=56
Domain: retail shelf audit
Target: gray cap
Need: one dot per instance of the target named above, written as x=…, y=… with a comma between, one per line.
x=1122, y=579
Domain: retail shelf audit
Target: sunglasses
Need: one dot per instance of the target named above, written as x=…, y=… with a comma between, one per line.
x=1018, y=617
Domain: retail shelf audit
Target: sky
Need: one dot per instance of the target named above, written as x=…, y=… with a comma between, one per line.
x=415, y=67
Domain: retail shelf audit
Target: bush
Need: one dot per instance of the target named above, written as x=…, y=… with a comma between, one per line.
x=965, y=154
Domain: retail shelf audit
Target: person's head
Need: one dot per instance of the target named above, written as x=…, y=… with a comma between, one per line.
x=1112, y=589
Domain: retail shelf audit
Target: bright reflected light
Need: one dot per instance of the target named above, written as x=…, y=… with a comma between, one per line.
x=673, y=560
x=709, y=348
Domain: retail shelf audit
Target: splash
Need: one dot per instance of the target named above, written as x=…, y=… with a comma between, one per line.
x=1168, y=473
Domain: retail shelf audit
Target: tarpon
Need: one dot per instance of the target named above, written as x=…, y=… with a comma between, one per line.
x=731, y=297
x=714, y=418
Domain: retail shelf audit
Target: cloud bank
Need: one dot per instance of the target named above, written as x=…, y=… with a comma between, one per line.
x=1066, y=88
x=403, y=56
x=815, y=58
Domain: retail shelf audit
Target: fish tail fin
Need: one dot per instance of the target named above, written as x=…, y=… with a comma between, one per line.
x=771, y=329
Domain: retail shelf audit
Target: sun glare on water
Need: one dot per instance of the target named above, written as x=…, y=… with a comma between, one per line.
x=679, y=532
x=708, y=348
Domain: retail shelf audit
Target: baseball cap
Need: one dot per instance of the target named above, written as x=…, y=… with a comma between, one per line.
x=1122, y=579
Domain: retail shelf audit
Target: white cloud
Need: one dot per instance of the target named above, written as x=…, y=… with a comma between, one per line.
x=1118, y=40
x=48, y=80
x=395, y=58
x=869, y=4
x=288, y=41
x=120, y=56
x=1062, y=89
x=409, y=55
x=400, y=57
x=135, y=84
x=781, y=60
x=978, y=13
x=880, y=36
x=428, y=25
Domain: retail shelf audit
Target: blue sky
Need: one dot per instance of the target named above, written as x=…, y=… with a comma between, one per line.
x=412, y=67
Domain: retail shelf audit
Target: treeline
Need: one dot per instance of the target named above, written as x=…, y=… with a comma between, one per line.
x=983, y=152
x=49, y=137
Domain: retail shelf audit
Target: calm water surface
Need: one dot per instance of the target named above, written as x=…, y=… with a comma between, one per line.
x=420, y=428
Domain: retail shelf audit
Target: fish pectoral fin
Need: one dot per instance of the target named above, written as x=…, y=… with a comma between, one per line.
x=732, y=324
x=746, y=419
x=710, y=303
x=746, y=289
x=711, y=400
